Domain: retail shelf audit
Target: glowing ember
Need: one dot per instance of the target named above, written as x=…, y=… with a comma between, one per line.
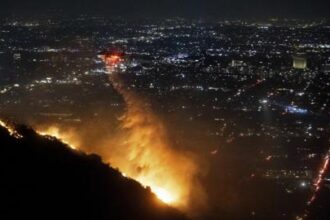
x=163, y=195
x=65, y=137
x=111, y=59
x=11, y=130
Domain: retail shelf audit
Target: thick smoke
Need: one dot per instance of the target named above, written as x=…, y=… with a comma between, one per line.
x=141, y=149
x=143, y=152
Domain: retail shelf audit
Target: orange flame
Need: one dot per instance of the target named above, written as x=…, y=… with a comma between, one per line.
x=67, y=137
x=11, y=130
x=141, y=149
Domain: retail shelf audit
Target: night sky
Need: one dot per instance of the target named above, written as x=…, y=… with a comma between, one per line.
x=196, y=8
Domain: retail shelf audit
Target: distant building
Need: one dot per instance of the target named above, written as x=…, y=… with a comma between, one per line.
x=299, y=62
x=237, y=63
x=17, y=56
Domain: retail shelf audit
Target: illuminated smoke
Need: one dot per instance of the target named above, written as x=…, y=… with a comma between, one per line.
x=68, y=137
x=140, y=149
x=144, y=153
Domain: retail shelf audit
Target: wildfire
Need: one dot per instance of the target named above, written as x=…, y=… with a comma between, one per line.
x=10, y=129
x=143, y=151
x=65, y=137
x=111, y=60
x=165, y=192
x=54, y=132
x=138, y=161
x=140, y=148
x=163, y=195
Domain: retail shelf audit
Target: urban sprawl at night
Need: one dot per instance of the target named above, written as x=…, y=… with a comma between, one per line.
x=246, y=103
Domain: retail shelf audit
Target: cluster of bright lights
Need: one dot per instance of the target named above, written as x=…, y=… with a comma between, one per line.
x=317, y=183
x=295, y=110
x=319, y=179
x=112, y=61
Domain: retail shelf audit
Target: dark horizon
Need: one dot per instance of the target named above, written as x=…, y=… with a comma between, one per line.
x=196, y=8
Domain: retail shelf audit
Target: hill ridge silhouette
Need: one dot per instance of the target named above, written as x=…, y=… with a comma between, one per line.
x=42, y=178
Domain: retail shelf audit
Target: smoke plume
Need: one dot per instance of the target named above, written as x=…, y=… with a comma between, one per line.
x=141, y=150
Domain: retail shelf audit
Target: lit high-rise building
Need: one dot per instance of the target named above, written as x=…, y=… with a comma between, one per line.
x=299, y=62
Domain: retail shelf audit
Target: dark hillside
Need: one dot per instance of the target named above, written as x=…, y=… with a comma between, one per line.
x=41, y=178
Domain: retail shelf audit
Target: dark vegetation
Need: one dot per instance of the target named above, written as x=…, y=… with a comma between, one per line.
x=41, y=178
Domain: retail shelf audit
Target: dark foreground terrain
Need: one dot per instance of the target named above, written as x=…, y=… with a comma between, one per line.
x=41, y=178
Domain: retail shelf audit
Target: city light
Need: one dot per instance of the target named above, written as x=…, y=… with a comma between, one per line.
x=203, y=115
